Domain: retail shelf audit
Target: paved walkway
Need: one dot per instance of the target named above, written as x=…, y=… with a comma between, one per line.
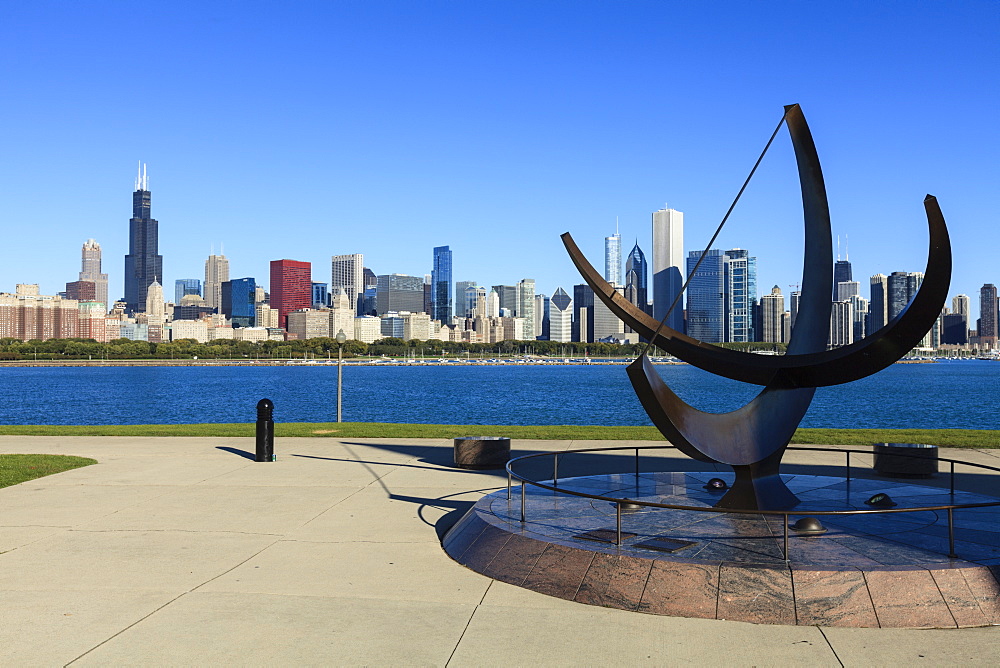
x=184, y=551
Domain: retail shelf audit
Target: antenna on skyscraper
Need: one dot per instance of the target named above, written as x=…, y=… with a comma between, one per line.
x=847, y=249
x=145, y=179
x=838, y=248
x=616, y=225
x=138, y=174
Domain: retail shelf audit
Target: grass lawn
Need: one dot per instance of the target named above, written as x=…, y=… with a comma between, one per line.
x=20, y=468
x=959, y=438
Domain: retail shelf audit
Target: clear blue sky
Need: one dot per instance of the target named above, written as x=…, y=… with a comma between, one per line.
x=301, y=130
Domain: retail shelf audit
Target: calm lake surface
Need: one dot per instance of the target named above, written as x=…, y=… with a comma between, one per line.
x=956, y=395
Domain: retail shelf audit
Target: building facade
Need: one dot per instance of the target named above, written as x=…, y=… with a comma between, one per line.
x=741, y=295
x=347, y=272
x=706, y=296
x=878, y=306
x=291, y=288
x=442, y=298
x=560, y=317
x=636, y=279
x=186, y=286
x=987, y=328
x=526, y=306
x=613, y=259
x=772, y=308
x=216, y=273
x=91, y=271
x=399, y=292
x=238, y=301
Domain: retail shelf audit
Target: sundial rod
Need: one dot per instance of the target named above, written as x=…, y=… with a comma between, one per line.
x=715, y=236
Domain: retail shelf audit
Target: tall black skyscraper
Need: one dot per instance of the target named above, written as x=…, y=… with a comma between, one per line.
x=841, y=274
x=143, y=264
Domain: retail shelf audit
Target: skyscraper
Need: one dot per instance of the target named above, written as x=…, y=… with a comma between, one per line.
x=526, y=306
x=186, y=286
x=613, y=258
x=441, y=286
x=143, y=264
x=878, y=307
x=668, y=258
x=560, y=317
x=841, y=274
x=987, y=329
x=291, y=287
x=216, y=273
x=903, y=286
x=636, y=276
x=583, y=313
x=91, y=271
x=960, y=305
x=844, y=290
x=740, y=296
x=155, y=312
x=772, y=308
x=237, y=301
x=320, y=295
x=706, y=297
x=399, y=292
x=462, y=304
x=508, y=297
x=347, y=272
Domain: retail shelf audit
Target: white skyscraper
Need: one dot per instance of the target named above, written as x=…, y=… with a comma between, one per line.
x=668, y=260
x=613, y=258
x=561, y=317
x=526, y=305
x=216, y=273
x=347, y=272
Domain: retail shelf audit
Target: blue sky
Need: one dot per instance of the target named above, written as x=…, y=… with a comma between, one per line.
x=302, y=130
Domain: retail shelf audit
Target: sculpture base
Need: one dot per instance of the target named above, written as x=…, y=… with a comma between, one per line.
x=759, y=487
x=875, y=570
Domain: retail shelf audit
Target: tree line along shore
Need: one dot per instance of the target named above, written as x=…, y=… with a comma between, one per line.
x=281, y=352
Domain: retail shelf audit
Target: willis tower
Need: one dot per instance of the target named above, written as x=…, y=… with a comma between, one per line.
x=143, y=264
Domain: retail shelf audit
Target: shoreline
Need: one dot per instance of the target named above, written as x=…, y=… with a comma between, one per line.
x=352, y=362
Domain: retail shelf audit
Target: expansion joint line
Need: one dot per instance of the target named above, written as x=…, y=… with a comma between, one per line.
x=468, y=624
x=175, y=598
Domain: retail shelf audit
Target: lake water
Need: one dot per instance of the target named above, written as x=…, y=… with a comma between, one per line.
x=957, y=395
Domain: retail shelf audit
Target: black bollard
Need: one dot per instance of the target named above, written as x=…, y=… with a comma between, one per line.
x=265, y=431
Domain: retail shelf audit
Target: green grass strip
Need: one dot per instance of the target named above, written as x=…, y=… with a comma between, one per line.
x=959, y=438
x=20, y=468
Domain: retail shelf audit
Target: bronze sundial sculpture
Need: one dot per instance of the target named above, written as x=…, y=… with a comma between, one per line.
x=753, y=438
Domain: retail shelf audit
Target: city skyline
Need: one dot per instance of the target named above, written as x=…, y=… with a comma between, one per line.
x=485, y=126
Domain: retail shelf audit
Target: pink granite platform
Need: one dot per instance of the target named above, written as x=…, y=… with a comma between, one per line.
x=865, y=571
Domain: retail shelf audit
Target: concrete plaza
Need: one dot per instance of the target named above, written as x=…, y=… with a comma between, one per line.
x=184, y=551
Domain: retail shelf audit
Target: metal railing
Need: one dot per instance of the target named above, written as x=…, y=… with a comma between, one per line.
x=785, y=514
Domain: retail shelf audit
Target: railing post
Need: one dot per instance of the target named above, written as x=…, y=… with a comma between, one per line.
x=848, y=478
x=555, y=470
x=522, y=502
x=508, y=485
x=952, y=478
x=951, y=533
x=637, y=467
x=618, y=513
x=785, y=549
